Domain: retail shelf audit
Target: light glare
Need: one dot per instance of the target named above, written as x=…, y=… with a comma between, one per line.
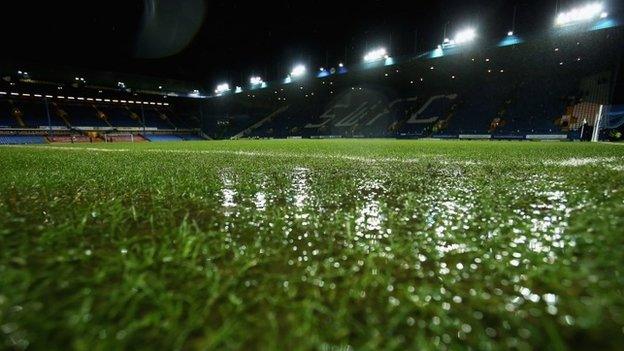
x=222, y=88
x=376, y=55
x=465, y=36
x=298, y=71
x=585, y=13
x=256, y=80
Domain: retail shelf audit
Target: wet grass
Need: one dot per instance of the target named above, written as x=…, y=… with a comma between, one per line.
x=330, y=245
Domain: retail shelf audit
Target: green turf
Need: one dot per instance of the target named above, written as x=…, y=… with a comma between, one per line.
x=329, y=245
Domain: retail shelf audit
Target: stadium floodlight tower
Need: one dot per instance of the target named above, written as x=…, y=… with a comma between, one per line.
x=582, y=14
x=222, y=89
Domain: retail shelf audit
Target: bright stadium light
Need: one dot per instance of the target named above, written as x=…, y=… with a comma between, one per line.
x=580, y=14
x=510, y=33
x=222, y=88
x=376, y=55
x=298, y=71
x=256, y=80
x=465, y=36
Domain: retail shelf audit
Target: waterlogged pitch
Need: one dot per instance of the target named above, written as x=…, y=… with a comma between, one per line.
x=331, y=245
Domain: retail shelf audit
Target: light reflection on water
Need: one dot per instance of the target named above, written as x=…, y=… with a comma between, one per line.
x=451, y=212
x=370, y=216
x=462, y=226
x=300, y=186
x=228, y=193
x=260, y=197
x=548, y=218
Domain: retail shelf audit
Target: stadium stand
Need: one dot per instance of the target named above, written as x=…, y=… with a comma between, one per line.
x=163, y=137
x=75, y=138
x=21, y=139
x=546, y=87
x=122, y=116
x=27, y=118
x=506, y=92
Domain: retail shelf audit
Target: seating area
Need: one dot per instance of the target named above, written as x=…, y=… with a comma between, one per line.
x=459, y=109
x=172, y=137
x=24, y=119
x=76, y=138
x=163, y=137
x=31, y=113
x=21, y=139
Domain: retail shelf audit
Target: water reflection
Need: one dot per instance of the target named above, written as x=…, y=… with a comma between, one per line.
x=260, y=200
x=451, y=213
x=548, y=217
x=228, y=193
x=300, y=187
x=369, y=224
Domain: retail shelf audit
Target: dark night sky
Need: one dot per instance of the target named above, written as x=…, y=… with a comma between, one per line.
x=236, y=38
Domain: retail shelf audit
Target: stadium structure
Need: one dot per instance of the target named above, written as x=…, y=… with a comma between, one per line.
x=553, y=86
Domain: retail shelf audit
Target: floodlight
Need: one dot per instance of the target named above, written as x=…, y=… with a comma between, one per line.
x=510, y=33
x=256, y=80
x=465, y=36
x=222, y=88
x=376, y=55
x=579, y=14
x=298, y=71
x=341, y=65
